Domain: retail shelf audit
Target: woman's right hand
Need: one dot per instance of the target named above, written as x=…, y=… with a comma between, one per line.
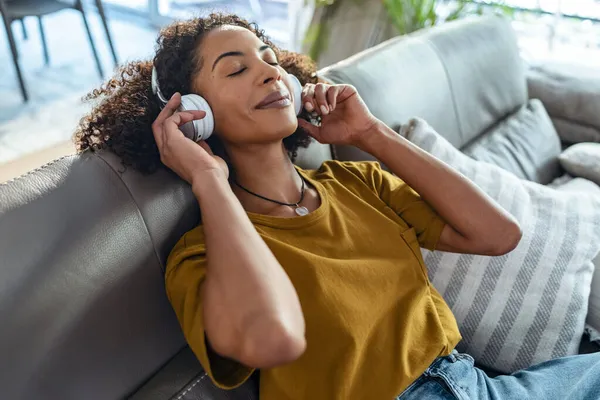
x=186, y=158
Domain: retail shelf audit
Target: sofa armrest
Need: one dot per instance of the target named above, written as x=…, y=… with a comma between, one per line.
x=571, y=95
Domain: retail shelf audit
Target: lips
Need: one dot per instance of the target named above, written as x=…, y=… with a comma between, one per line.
x=273, y=97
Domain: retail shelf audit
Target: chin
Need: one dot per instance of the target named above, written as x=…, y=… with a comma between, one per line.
x=280, y=126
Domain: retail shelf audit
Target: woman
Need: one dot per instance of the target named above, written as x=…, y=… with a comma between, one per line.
x=334, y=304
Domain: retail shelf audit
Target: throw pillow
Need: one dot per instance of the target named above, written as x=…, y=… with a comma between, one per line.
x=582, y=160
x=593, y=315
x=529, y=305
x=525, y=143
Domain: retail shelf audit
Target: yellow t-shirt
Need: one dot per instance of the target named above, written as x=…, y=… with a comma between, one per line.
x=374, y=323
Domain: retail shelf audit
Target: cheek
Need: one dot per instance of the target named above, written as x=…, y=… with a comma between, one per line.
x=229, y=104
x=232, y=110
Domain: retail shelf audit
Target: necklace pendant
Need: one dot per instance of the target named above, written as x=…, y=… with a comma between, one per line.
x=301, y=211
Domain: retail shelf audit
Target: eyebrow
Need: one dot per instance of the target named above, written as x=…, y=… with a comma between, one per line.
x=236, y=53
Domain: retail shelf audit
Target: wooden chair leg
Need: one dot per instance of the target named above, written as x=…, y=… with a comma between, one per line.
x=79, y=7
x=15, y=56
x=44, y=43
x=108, y=37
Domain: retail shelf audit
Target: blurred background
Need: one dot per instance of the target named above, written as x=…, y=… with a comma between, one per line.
x=54, y=52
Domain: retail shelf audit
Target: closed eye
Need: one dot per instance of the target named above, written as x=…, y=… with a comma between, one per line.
x=238, y=72
x=244, y=68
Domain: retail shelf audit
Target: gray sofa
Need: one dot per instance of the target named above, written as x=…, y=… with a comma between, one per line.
x=83, y=243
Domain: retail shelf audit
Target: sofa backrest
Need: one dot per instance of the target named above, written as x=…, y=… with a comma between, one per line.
x=82, y=303
x=462, y=77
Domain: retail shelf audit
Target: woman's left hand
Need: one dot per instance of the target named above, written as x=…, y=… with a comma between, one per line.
x=345, y=118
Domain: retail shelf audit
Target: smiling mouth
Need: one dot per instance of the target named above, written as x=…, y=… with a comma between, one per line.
x=281, y=103
x=275, y=100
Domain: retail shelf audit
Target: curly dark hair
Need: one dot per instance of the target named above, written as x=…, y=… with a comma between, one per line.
x=125, y=106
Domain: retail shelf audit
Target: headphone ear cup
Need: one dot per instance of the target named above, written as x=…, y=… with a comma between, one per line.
x=297, y=93
x=199, y=129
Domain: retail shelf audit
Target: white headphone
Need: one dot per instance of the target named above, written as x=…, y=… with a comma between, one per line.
x=201, y=129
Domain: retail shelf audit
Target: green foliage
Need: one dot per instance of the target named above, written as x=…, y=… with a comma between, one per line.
x=406, y=15
x=411, y=15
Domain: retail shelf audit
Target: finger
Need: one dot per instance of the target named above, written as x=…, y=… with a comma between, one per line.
x=320, y=91
x=196, y=114
x=183, y=117
x=308, y=97
x=332, y=95
x=312, y=130
x=172, y=124
x=169, y=109
x=304, y=91
x=166, y=112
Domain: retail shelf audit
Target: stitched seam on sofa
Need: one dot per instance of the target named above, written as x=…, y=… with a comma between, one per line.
x=160, y=263
x=204, y=375
x=16, y=178
x=454, y=103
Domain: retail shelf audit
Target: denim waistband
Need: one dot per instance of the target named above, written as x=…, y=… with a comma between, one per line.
x=453, y=357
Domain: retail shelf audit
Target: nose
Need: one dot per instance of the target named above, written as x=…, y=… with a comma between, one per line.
x=270, y=73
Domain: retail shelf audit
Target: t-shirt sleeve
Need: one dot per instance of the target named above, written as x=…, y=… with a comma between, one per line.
x=184, y=276
x=403, y=199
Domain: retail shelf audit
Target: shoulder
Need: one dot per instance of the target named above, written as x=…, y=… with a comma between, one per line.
x=191, y=244
x=351, y=172
x=340, y=169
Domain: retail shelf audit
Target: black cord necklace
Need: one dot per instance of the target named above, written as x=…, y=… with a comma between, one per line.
x=300, y=210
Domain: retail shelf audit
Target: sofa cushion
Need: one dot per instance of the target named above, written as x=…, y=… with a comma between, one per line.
x=582, y=160
x=571, y=94
x=574, y=132
x=486, y=73
x=529, y=305
x=525, y=143
x=183, y=378
x=386, y=74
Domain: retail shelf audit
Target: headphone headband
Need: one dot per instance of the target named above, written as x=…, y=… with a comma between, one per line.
x=155, y=87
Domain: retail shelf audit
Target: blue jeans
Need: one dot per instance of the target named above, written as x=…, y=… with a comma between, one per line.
x=454, y=377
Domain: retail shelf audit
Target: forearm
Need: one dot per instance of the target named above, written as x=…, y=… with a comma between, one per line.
x=247, y=296
x=464, y=207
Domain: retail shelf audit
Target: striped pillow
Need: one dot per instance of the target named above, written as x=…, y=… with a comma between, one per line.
x=529, y=305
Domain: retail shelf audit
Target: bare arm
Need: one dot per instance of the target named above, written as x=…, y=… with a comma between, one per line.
x=475, y=222
x=251, y=309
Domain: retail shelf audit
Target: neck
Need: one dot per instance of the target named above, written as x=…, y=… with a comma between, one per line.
x=268, y=171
